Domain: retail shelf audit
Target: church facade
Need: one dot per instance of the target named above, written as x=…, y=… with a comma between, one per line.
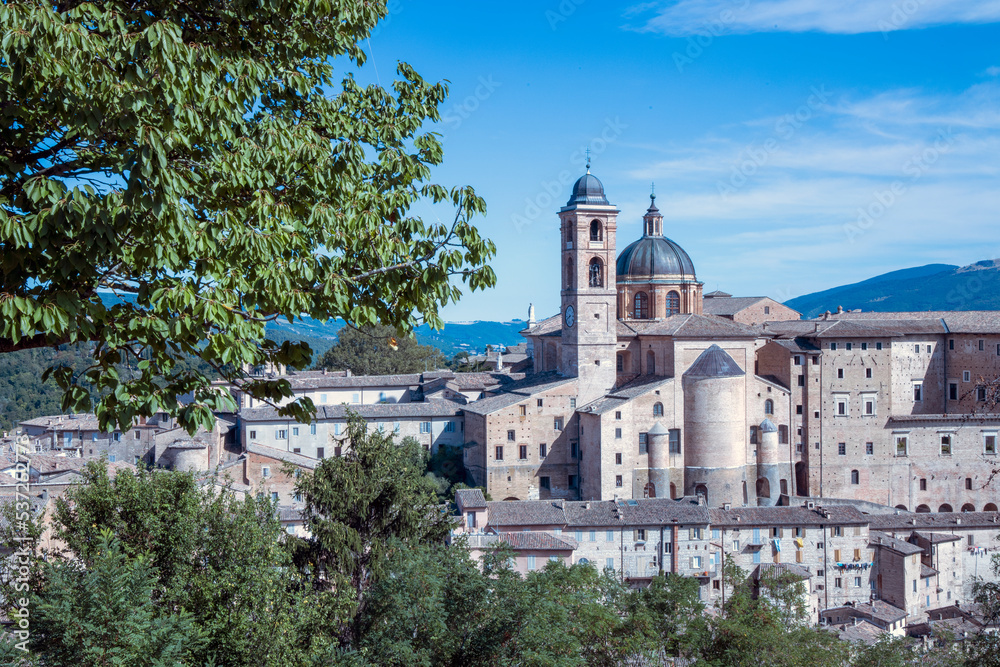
x=643, y=386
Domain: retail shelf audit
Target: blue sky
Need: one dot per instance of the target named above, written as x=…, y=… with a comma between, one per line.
x=796, y=145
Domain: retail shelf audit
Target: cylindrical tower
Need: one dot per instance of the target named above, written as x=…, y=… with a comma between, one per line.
x=658, y=450
x=768, y=455
x=714, y=426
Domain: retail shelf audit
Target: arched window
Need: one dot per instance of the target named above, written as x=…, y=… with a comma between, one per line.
x=650, y=362
x=763, y=488
x=701, y=490
x=968, y=507
x=901, y=507
x=945, y=508
x=596, y=231
x=923, y=509
x=649, y=491
x=989, y=507
x=673, y=303
x=596, y=272
x=673, y=490
x=769, y=407
x=855, y=477
x=641, y=309
x=657, y=409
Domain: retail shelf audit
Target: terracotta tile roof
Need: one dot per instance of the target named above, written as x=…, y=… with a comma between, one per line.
x=530, y=540
x=519, y=391
x=470, y=499
x=878, y=539
x=939, y=521
x=281, y=455
x=842, y=515
x=525, y=513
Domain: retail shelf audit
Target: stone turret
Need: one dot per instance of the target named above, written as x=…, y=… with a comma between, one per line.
x=658, y=451
x=767, y=465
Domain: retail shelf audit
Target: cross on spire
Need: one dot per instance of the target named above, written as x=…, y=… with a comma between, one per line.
x=588, y=160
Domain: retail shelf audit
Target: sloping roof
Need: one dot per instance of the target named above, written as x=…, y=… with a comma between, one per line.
x=693, y=326
x=281, y=455
x=721, y=305
x=470, y=499
x=958, y=321
x=662, y=511
x=640, y=386
x=863, y=631
x=939, y=521
x=525, y=513
x=881, y=611
x=843, y=515
x=937, y=538
x=926, y=571
x=534, y=539
x=387, y=411
x=879, y=539
x=548, y=327
x=714, y=363
x=780, y=569
x=518, y=391
x=797, y=344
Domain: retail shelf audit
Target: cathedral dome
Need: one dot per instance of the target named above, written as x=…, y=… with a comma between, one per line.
x=587, y=190
x=654, y=257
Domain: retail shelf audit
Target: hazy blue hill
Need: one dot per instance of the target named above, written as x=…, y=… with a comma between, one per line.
x=455, y=336
x=930, y=287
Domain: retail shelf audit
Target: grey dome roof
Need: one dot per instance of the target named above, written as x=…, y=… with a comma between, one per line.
x=657, y=429
x=587, y=190
x=767, y=426
x=654, y=256
x=714, y=363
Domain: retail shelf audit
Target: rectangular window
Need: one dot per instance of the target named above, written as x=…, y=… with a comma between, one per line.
x=618, y=415
x=952, y=391
x=572, y=403
x=776, y=533
x=618, y=433
x=902, y=445
x=295, y=430
x=522, y=410
x=869, y=448
x=864, y=346
x=868, y=373
x=981, y=343
x=836, y=555
x=918, y=391
x=618, y=458
x=695, y=562
x=855, y=477
x=640, y=535
x=274, y=496
x=848, y=346
x=833, y=346
x=923, y=484
x=966, y=376
x=522, y=452
x=981, y=393
x=836, y=531
x=296, y=450
x=449, y=427
x=540, y=402
x=593, y=536
x=782, y=434
x=312, y=428
x=842, y=449
x=968, y=484
x=945, y=445
x=878, y=346
x=675, y=441
x=265, y=471
x=574, y=450
x=815, y=361
x=618, y=481
x=572, y=481
x=543, y=450
x=802, y=380
x=557, y=424
x=610, y=563
x=355, y=398
x=609, y=536
x=511, y=436
x=280, y=434
x=868, y=400
x=951, y=343
x=797, y=360
x=642, y=443
x=916, y=348
x=840, y=373
x=798, y=409
x=425, y=427
x=545, y=482
x=499, y=453
x=320, y=453
x=531, y=563
x=857, y=582
x=694, y=533
x=842, y=407
x=253, y=435
x=989, y=443
x=336, y=429
x=753, y=434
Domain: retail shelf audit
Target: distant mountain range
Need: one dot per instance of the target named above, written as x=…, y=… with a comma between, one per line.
x=455, y=337
x=929, y=287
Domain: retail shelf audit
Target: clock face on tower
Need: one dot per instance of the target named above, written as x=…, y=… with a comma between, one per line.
x=570, y=316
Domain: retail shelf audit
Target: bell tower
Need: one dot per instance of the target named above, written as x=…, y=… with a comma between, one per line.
x=589, y=317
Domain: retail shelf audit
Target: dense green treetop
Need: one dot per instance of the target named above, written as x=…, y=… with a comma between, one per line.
x=217, y=159
x=376, y=350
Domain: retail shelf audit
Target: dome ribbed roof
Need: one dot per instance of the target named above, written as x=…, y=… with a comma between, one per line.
x=654, y=256
x=587, y=190
x=767, y=426
x=714, y=363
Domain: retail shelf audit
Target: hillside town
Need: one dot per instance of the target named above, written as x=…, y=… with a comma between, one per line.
x=649, y=429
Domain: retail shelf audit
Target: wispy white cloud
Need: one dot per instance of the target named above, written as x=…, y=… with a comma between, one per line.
x=691, y=17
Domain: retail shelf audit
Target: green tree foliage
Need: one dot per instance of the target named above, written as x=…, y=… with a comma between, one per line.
x=103, y=613
x=216, y=164
x=362, y=510
x=215, y=556
x=377, y=350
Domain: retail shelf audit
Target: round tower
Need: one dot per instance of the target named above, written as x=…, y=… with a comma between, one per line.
x=658, y=450
x=767, y=486
x=714, y=425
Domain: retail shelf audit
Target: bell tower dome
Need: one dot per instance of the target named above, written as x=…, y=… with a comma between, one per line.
x=589, y=327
